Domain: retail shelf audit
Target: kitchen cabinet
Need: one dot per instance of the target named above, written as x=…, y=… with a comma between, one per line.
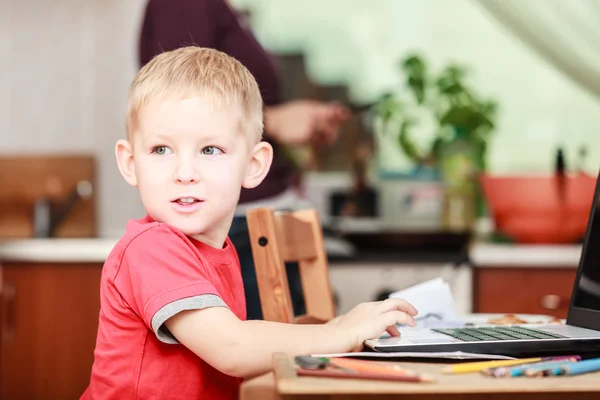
x=523, y=289
x=49, y=320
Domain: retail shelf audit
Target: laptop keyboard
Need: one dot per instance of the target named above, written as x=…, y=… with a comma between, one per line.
x=497, y=333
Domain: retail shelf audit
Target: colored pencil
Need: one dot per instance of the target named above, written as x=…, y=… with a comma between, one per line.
x=575, y=368
x=479, y=366
x=515, y=371
x=335, y=373
x=370, y=366
x=538, y=370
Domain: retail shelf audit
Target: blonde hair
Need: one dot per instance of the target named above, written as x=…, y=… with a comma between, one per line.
x=195, y=71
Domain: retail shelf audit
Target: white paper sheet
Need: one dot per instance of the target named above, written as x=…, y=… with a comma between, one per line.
x=431, y=298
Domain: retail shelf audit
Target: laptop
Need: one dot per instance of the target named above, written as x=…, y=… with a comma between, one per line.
x=580, y=334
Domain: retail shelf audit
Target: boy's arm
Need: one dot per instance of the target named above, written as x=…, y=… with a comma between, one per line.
x=244, y=348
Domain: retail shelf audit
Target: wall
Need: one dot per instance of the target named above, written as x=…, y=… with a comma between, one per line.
x=65, y=67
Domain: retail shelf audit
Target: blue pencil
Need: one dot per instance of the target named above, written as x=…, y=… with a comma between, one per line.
x=519, y=370
x=576, y=368
x=537, y=369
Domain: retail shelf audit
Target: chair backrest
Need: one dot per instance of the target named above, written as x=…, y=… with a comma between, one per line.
x=279, y=237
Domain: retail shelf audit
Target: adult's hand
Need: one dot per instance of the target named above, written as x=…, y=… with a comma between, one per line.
x=302, y=121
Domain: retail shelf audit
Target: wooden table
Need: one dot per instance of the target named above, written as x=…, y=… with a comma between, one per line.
x=284, y=384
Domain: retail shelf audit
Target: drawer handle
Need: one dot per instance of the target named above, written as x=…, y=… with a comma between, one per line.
x=550, y=301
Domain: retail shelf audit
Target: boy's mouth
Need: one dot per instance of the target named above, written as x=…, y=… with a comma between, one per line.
x=186, y=201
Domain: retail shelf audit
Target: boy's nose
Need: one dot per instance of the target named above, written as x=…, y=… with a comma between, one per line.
x=186, y=174
x=184, y=179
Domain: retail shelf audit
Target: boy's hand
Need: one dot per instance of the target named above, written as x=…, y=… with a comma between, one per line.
x=370, y=320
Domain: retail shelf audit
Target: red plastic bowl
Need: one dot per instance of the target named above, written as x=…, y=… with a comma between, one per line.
x=529, y=209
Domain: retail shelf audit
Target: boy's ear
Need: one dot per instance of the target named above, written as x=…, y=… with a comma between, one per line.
x=124, y=154
x=258, y=167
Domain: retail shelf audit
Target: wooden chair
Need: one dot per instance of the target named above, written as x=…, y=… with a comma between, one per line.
x=279, y=237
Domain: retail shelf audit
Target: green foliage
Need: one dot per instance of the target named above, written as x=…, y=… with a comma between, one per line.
x=458, y=110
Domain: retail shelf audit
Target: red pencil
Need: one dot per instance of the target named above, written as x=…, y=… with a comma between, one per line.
x=334, y=373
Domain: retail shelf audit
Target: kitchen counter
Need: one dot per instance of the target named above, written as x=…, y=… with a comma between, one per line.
x=507, y=255
x=91, y=250
x=481, y=254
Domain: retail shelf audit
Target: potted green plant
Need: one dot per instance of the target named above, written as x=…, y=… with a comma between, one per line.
x=459, y=120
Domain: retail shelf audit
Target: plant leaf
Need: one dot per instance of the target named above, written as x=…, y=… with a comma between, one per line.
x=406, y=143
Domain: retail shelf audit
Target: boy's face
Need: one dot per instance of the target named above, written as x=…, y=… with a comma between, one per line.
x=189, y=161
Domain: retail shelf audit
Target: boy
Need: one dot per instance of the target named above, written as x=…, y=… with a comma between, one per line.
x=172, y=317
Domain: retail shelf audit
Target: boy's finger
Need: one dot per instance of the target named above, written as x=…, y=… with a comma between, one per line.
x=398, y=304
x=399, y=317
x=392, y=330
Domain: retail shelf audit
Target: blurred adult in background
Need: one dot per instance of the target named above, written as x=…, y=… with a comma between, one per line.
x=169, y=24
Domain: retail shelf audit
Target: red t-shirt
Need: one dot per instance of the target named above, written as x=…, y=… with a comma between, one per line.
x=153, y=273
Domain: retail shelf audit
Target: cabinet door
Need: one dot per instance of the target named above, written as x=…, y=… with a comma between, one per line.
x=523, y=290
x=49, y=325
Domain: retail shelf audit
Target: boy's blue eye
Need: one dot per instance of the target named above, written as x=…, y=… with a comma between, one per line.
x=160, y=150
x=211, y=150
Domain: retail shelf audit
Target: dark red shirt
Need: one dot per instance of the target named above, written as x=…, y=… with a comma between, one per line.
x=170, y=24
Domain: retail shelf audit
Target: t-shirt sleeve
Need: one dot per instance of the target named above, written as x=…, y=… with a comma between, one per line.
x=161, y=275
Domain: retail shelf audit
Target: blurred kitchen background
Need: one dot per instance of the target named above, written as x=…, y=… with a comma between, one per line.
x=473, y=121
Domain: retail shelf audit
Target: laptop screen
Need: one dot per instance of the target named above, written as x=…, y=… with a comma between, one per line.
x=587, y=293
